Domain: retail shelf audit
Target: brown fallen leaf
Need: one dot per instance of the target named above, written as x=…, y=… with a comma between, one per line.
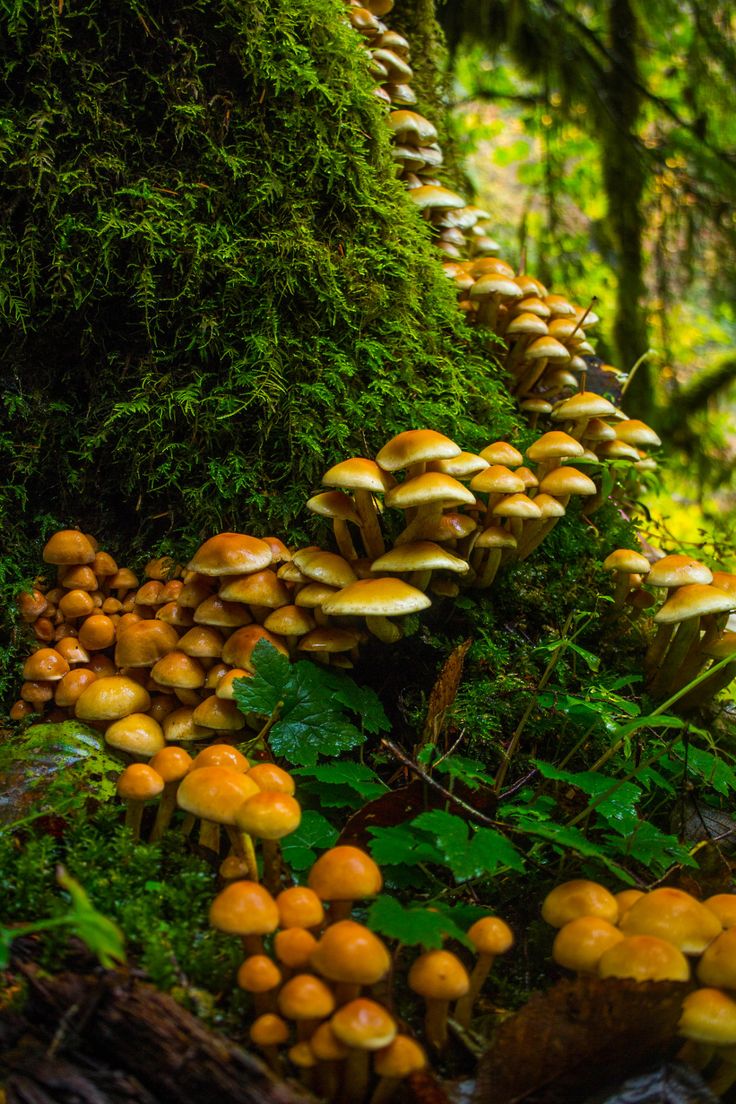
x=443, y=694
x=577, y=1037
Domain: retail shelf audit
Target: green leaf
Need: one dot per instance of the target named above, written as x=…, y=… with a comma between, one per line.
x=471, y=772
x=357, y=776
x=653, y=848
x=315, y=833
x=469, y=852
x=565, y=838
x=402, y=846
x=101, y=935
x=618, y=808
x=413, y=926
x=311, y=702
x=713, y=770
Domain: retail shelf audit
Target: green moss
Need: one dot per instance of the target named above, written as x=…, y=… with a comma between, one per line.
x=213, y=284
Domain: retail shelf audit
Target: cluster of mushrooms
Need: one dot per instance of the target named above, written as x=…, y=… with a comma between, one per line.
x=321, y=981
x=664, y=935
x=544, y=333
x=108, y=647
x=691, y=624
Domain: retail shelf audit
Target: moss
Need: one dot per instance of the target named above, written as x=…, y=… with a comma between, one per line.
x=214, y=286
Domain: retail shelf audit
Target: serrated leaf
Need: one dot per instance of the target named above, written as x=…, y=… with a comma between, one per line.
x=413, y=926
x=357, y=776
x=311, y=701
x=568, y=838
x=713, y=770
x=471, y=772
x=618, y=808
x=314, y=834
x=469, y=852
x=653, y=848
x=401, y=846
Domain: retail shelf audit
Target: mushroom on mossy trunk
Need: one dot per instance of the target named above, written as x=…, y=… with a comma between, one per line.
x=377, y=600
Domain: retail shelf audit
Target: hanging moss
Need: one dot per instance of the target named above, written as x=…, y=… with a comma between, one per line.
x=212, y=285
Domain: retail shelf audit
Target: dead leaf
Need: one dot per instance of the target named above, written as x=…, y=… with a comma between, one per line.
x=578, y=1036
x=444, y=693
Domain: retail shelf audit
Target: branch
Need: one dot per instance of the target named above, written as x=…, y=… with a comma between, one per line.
x=700, y=390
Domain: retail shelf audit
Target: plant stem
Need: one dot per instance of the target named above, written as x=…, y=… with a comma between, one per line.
x=547, y=674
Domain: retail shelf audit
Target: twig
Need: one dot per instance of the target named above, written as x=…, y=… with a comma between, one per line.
x=401, y=755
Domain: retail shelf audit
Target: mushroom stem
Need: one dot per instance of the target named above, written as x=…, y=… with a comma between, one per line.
x=271, y=865
x=133, y=817
x=356, y=1077
x=343, y=539
x=242, y=845
x=435, y=1022
x=489, y=570
x=464, y=1007
x=385, y=1090
x=656, y=650
x=695, y=1054
x=384, y=629
x=687, y=633
x=209, y=835
x=723, y=1078
x=708, y=688
x=420, y=579
x=371, y=530
x=165, y=811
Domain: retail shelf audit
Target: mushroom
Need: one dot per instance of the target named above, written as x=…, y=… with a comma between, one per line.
x=269, y=817
x=260, y=976
x=268, y=1032
x=307, y=1000
x=350, y=955
x=580, y=944
x=363, y=1026
x=440, y=978
x=376, y=600
x=491, y=937
x=138, y=784
x=365, y=478
x=644, y=958
x=393, y=1064
x=342, y=875
x=299, y=907
x=172, y=763
x=579, y=897
x=246, y=909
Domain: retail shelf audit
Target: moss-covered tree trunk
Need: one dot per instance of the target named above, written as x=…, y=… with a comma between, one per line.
x=625, y=177
x=213, y=285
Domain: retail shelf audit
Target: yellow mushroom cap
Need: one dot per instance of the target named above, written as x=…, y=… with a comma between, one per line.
x=172, y=763
x=567, y=481
x=139, y=782
x=359, y=474
x=419, y=556
x=415, y=446
x=299, y=907
x=260, y=588
x=272, y=779
x=108, y=699
x=364, y=1024
x=377, y=597
x=326, y=1046
x=143, y=643
x=497, y=479
x=678, y=570
x=501, y=452
x=439, y=975
x=230, y=554
x=215, y=793
x=294, y=947
x=400, y=1058
x=178, y=670
x=625, y=899
x=223, y=755
x=674, y=915
x=491, y=936
x=345, y=873
x=554, y=445
x=305, y=997
x=68, y=546
x=717, y=965
x=138, y=734
x=218, y=714
x=239, y=647
x=45, y=665
x=258, y=974
x=269, y=1030
x=723, y=905
x=578, y=898
x=628, y=561
x=244, y=908
x=694, y=600
x=709, y=1016
x=428, y=488
x=580, y=943
x=644, y=958
x=269, y=815
x=349, y=952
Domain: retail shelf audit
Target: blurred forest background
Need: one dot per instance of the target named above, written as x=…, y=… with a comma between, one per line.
x=602, y=138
